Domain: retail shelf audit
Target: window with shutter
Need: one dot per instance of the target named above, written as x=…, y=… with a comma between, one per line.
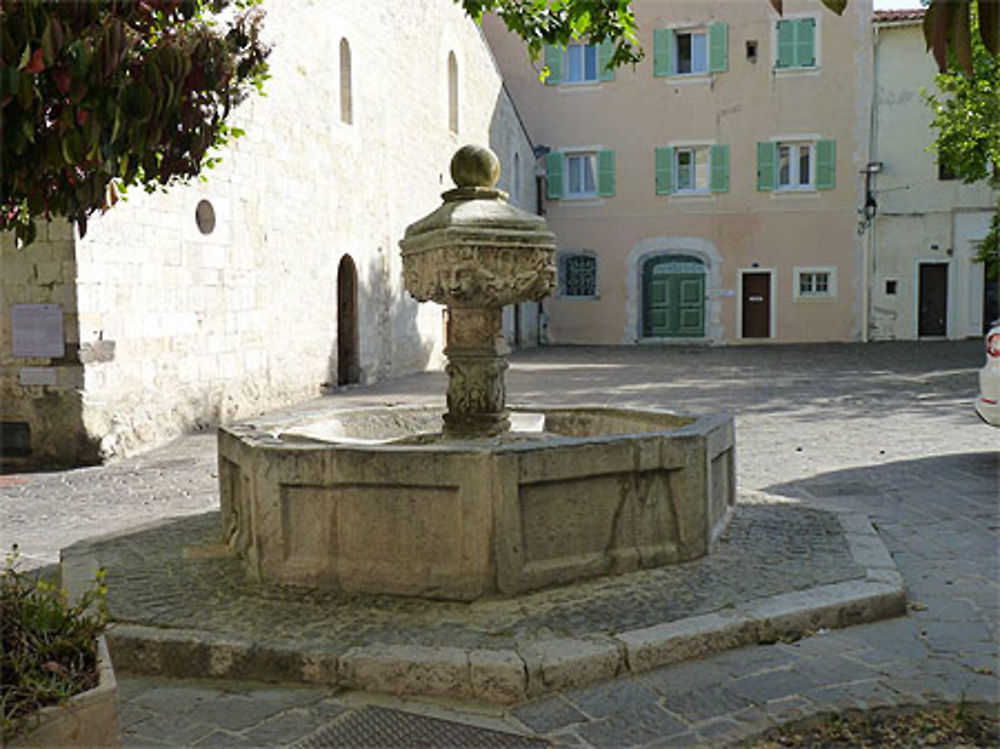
x=553, y=61
x=663, y=52
x=765, y=166
x=719, y=159
x=789, y=165
x=554, y=176
x=579, y=63
x=691, y=51
x=718, y=47
x=795, y=43
x=826, y=162
x=664, y=170
x=606, y=173
x=605, y=52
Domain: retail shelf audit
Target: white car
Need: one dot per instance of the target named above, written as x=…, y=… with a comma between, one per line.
x=988, y=404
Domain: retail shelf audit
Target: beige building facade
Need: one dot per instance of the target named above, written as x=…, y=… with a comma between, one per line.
x=279, y=276
x=924, y=223
x=710, y=194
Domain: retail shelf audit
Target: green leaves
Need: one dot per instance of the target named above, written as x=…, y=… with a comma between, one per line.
x=967, y=114
x=557, y=22
x=94, y=93
x=48, y=647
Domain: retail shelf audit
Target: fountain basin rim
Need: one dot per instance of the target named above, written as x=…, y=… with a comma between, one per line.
x=289, y=435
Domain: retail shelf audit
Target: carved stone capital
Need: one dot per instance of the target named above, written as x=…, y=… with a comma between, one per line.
x=478, y=274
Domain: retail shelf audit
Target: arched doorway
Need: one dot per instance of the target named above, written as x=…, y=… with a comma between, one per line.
x=348, y=368
x=673, y=297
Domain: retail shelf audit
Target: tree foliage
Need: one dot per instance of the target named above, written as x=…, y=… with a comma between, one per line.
x=966, y=111
x=97, y=95
x=541, y=22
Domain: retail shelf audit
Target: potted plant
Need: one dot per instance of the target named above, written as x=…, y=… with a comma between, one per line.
x=57, y=687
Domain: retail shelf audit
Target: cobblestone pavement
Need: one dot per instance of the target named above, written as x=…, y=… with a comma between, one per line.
x=885, y=429
x=768, y=549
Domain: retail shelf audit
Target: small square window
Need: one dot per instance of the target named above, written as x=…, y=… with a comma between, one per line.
x=752, y=50
x=890, y=287
x=814, y=283
x=578, y=275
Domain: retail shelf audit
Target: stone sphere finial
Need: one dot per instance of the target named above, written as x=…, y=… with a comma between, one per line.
x=475, y=166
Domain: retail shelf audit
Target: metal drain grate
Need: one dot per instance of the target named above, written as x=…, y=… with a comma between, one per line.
x=382, y=728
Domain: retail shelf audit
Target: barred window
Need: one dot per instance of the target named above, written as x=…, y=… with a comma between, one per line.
x=579, y=275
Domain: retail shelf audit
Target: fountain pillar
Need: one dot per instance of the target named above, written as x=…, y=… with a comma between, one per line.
x=476, y=254
x=477, y=366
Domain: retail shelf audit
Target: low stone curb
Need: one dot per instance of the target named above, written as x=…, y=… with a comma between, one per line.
x=508, y=676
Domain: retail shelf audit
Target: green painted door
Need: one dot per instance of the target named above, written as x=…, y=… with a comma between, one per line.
x=673, y=298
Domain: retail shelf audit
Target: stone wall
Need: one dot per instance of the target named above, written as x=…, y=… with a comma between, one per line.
x=191, y=329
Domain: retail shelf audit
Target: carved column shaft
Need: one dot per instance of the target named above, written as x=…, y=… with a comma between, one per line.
x=477, y=363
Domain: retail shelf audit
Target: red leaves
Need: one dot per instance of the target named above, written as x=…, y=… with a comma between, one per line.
x=62, y=79
x=36, y=64
x=947, y=27
x=81, y=117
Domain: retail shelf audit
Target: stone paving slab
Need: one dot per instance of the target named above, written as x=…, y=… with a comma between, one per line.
x=780, y=571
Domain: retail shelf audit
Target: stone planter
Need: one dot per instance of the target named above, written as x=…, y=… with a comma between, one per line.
x=90, y=719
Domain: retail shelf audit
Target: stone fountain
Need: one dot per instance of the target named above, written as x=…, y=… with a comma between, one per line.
x=496, y=501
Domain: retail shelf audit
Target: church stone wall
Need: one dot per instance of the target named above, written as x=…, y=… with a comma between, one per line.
x=179, y=329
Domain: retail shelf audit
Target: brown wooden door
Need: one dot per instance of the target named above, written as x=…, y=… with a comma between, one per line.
x=933, y=300
x=348, y=369
x=756, y=305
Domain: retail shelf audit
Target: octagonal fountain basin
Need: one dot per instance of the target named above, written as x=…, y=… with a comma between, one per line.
x=377, y=501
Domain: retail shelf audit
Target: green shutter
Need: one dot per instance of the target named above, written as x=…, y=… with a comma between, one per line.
x=765, y=166
x=553, y=61
x=805, y=43
x=826, y=164
x=786, y=44
x=554, y=175
x=720, y=169
x=606, y=173
x=604, y=54
x=718, y=47
x=664, y=170
x=663, y=52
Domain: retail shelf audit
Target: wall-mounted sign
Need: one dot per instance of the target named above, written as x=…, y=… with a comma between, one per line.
x=37, y=376
x=37, y=331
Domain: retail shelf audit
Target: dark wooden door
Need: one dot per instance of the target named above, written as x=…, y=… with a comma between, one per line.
x=348, y=369
x=756, y=305
x=933, y=300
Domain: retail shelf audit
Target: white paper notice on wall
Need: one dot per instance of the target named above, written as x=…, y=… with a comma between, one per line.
x=37, y=330
x=37, y=376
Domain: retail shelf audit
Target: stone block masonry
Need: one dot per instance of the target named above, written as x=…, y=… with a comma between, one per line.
x=199, y=328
